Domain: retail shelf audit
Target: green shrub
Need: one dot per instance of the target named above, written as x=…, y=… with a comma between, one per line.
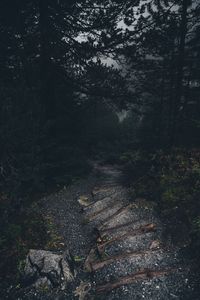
x=170, y=178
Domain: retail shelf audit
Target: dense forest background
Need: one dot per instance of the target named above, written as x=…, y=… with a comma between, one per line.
x=117, y=81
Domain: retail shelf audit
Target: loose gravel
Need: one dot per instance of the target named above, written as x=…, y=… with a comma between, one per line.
x=76, y=225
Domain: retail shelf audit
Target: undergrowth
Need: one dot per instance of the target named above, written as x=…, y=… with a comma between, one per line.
x=22, y=225
x=172, y=179
x=28, y=229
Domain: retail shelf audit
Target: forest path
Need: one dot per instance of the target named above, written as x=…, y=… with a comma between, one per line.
x=121, y=241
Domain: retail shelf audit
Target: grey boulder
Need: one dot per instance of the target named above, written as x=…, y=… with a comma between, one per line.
x=48, y=269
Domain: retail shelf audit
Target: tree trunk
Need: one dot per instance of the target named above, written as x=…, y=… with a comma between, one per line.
x=171, y=94
x=161, y=133
x=46, y=70
x=180, y=72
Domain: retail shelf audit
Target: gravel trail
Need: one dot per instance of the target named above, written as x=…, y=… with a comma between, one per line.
x=119, y=241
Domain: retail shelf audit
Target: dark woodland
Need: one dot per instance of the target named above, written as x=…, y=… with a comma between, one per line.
x=113, y=82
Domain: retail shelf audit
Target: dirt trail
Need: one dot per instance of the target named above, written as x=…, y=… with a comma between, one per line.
x=130, y=259
x=120, y=241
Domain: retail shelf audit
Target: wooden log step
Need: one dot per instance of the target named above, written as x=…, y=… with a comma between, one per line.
x=141, y=230
x=106, y=212
x=100, y=264
x=142, y=275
